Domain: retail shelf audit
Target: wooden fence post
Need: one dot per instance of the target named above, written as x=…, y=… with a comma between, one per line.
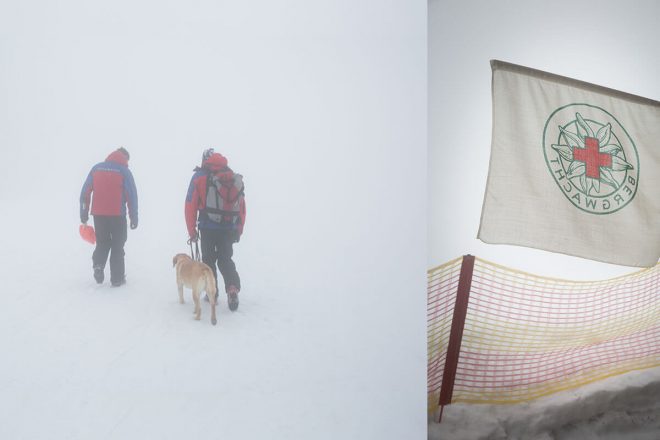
x=456, y=334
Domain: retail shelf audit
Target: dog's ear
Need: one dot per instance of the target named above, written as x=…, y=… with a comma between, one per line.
x=174, y=260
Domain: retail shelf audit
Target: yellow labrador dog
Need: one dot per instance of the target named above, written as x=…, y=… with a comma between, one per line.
x=197, y=276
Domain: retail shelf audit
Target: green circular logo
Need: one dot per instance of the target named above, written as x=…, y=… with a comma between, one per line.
x=591, y=157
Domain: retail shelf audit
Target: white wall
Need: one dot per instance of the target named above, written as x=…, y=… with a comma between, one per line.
x=613, y=43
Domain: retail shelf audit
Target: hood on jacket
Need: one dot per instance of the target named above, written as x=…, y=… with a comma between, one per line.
x=119, y=156
x=215, y=162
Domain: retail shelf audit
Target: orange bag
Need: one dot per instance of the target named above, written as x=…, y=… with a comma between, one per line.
x=87, y=234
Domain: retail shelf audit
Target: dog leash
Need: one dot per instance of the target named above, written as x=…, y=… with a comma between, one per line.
x=194, y=255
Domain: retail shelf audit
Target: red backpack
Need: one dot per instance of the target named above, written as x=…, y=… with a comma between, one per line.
x=224, y=197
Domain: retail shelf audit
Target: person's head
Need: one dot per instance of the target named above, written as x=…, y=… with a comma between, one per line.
x=120, y=156
x=214, y=162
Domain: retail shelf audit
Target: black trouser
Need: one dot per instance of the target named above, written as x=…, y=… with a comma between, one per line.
x=110, y=238
x=217, y=247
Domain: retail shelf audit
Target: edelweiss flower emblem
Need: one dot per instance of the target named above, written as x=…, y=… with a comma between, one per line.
x=591, y=157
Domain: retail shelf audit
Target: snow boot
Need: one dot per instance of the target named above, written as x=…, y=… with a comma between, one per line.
x=232, y=298
x=117, y=283
x=98, y=274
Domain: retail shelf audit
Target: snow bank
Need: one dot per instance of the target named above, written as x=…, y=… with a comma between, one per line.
x=625, y=406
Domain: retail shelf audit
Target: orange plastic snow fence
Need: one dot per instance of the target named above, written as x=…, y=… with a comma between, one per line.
x=87, y=233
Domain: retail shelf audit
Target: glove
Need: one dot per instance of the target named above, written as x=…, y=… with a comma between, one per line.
x=134, y=224
x=84, y=218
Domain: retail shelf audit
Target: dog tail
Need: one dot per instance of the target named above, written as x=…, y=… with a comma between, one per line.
x=210, y=282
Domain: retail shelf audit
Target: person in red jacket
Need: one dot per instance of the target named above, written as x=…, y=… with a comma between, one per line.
x=215, y=205
x=110, y=188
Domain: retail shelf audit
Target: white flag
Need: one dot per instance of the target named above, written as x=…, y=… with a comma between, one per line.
x=574, y=168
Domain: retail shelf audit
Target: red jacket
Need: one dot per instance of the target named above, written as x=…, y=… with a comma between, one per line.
x=110, y=187
x=196, y=197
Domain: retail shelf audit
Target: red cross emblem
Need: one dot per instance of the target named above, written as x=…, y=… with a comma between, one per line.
x=592, y=157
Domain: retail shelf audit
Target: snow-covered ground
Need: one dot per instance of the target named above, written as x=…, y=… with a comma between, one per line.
x=315, y=350
x=624, y=407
